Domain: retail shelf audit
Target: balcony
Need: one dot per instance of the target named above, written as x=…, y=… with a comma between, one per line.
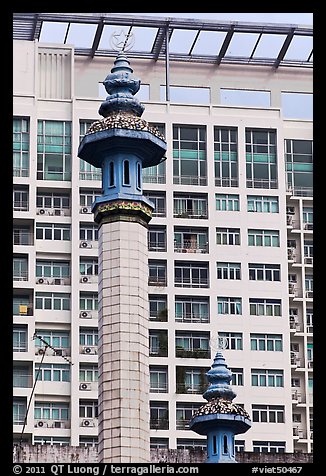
x=226, y=182
x=299, y=433
x=159, y=212
x=22, y=238
x=191, y=317
x=189, y=180
x=300, y=191
x=21, y=206
x=159, y=424
x=22, y=380
x=190, y=247
x=182, y=424
x=49, y=423
x=193, y=389
x=308, y=226
x=22, y=276
x=262, y=183
x=20, y=172
x=195, y=353
x=154, y=178
x=90, y=175
x=23, y=310
x=157, y=281
x=157, y=246
x=296, y=362
x=295, y=326
x=191, y=282
x=296, y=396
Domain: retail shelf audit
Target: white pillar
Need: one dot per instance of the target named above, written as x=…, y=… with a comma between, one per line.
x=123, y=342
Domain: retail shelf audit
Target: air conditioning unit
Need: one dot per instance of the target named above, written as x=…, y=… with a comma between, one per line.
x=88, y=422
x=308, y=260
x=42, y=211
x=42, y=281
x=58, y=212
x=58, y=424
x=85, y=244
x=85, y=279
x=309, y=294
x=308, y=226
x=41, y=424
x=57, y=281
x=89, y=350
x=85, y=210
x=85, y=386
x=85, y=315
x=59, y=352
x=40, y=351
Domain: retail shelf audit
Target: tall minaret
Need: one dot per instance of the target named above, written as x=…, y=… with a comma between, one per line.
x=122, y=144
x=219, y=418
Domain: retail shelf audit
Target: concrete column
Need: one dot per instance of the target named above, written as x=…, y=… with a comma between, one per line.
x=123, y=342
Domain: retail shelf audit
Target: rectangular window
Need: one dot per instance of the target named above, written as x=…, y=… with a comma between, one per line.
x=20, y=339
x=20, y=199
x=52, y=301
x=191, y=309
x=245, y=97
x=59, y=270
x=263, y=238
x=190, y=444
x=53, y=203
x=192, y=344
x=190, y=240
x=88, y=409
x=159, y=415
x=51, y=411
x=228, y=270
x=53, y=373
x=88, y=301
x=157, y=273
x=261, y=158
x=184, y=412
x=88, y=337
x=88, y=372
x=158, y=379
x=299, y=165
x=88, y=232
x=268, y=446
x=158, y=308
x=159, y=202
x=308, y=217
x=226, y=157
x=297, y=105
x=262, y=204
x=54, y=150
x=189, y=155
x=267, y=378
x=228, y=236
x=227, y=202
x=158, y=343
x=191, y=380
x=21, y=147
x=186, y=94
x=265, y=307
x=157, y=238
x=237, y=376
x=88, y=266
x=86, y=199
x=156, y=173
x=20, y=267
x=51, y=231
x=57, y=339
x=229, y=305
x=233, y=340
x=191, y=275
x=19, y=410
x=269, y=342
x=264, y=272
x=51, y=440
x=86, y=170
x=190, y=206
x=22, y=235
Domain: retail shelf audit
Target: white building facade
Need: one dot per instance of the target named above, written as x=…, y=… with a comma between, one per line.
x=230, y=246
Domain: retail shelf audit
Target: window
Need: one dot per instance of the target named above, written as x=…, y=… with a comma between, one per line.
x=239, y=446
x=22, y=376
x=158, y=308
x=229, y=305
x=139, y=176
x=87, y=197
x=157, y=273
x=228, y=236
x=52, y=301
x=88, y=337
x=111, y=174
x=262, y=204
x=53, y=269
x=297, y=105
x=158, y=376
x=190, y=206
x=310, y=354
x=159, y=415
x=86, y=170
x=51, y=231
x=267, y=378
x=269, y=342
x=88, y=266
x=88, y=372
x=20, y=267
x=20, y=199
x=88, y=441
x=54, y=150
x=226, y=157
x=186, y=95
x=265, y=307
x=88, y=232
x=158, y=199
x=22, y=305
x=299, y=164
x=19, y=410
x=51, y=440
x=88, y=409
x=184, y=412
x=51, y=411
x=159, y=443
x=57, y=339
x=191, y=443
x=268, y=446
x=158, y=343
x=190, y=240
x=53, y=373
x=88, y=301
x=22, y=235
x=308, y=249
x=264, y=272
x=233, y=340
x=191, y=380
x=126, y=172
x=227, y=202
x=189, y=155
x=263, y=238
x=55, y=200
x=228, y=270
x=309, y=283
x=261, y=158
x=191, y=309
x=237, y=377
x=192, y=344
x=21, y=147
x=191, y=275
x=20, y=339
x=157, y=238
x=245, y=97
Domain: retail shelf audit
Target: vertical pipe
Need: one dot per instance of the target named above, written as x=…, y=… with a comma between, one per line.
x=167, y=65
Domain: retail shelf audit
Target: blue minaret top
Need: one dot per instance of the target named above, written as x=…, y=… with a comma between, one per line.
x=122, y=144
x=220, y=419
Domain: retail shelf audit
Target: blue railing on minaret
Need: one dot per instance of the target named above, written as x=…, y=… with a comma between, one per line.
x=220, y=419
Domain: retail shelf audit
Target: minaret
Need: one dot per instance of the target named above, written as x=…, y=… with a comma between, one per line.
x=220, y=419
x=122, y=144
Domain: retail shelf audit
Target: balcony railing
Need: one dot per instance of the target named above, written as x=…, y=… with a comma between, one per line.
x=192, y=317
x=157, y=281
x=22, y=238
x=300, y=191
x=156, y=246
x=20, y=172
x=299, y=432
x=159, y=212
x=90, y=175
x=159, y=424
x=262, y=183
x=158, y=351
x=226, y=182
x=23, y=310
x=190, y=389
x=22, y=276
x=296, y=326
x=190, y=247
x=191, y=282
x=159, y=389
x=23, y=381
x=154, y=178
x=296, y=362
x=182, y=424
x=21, y=206
x=195, y=353
x=189, y=180
x=296, y=396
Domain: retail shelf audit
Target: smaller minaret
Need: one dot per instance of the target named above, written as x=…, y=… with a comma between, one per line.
x=219, y=418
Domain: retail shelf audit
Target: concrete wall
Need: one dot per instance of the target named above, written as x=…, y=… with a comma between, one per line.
x=88, y=454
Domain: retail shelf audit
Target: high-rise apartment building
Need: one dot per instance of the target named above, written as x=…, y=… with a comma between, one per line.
x=230, y=244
